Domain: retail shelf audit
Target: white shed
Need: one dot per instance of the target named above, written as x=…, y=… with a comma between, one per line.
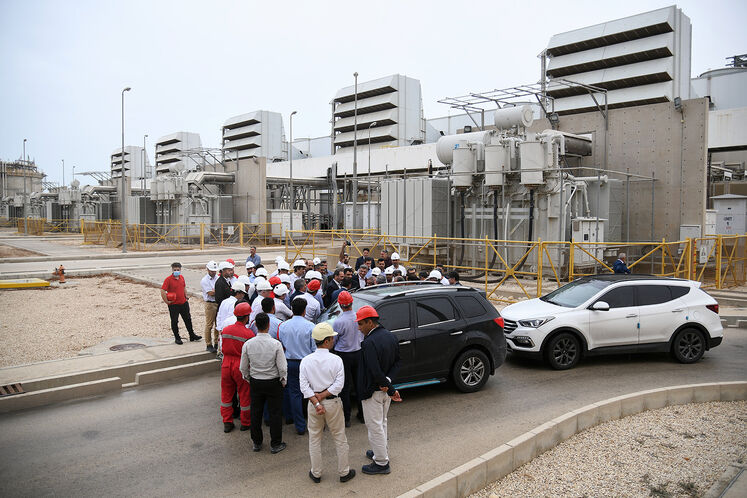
x=732, y=214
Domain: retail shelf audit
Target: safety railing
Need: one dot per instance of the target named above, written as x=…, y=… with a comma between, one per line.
x=39, y=226
x=154, y=237
x=9, y=222
x=509, y=270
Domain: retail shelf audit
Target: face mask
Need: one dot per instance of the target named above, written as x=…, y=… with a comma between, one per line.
x=177, y=273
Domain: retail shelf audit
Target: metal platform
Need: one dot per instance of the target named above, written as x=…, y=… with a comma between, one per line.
x=23, y=283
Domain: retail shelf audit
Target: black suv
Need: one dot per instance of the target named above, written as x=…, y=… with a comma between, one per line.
x=444, y=332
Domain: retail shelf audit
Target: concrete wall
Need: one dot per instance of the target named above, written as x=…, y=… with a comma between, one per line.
x=652, y=138
x=249, y=190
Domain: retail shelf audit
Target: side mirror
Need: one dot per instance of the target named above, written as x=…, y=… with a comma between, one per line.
x=600, y=306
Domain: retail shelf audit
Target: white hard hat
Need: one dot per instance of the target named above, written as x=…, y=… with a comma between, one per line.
x=283, y=265
x=299, y=262
x=258, y=280
x=280, y=290
x=212, y=266
x=263, y=285
x=249, y=264
x=244, y=279
x=376, y=271
x=238, y=286
x=224, y=264
x=435, y=274
x=284, y=278
x=395, y=256
x=389, y=270
x=317, y=261
x=313, y=274
x=261, y=272
x=278, y=259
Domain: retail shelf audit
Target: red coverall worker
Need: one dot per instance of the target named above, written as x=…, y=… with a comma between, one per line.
x=234, y=336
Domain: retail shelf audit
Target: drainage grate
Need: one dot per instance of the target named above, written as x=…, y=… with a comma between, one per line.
x=127, y=347
x=11, y=389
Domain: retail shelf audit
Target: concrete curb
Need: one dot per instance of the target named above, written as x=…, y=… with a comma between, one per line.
x=501, y=461
x=178, y=372
x=57, y=394
x=37, y=259
x=729, y=479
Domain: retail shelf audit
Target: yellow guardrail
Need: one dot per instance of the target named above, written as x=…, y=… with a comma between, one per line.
x=508, y=269
x=38, y=226
x=153, y=237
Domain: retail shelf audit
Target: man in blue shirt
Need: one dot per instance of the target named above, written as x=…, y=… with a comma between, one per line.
x=348, y=347
x=253, y=256
x=268, y=307
x=620, y=266
x=295, y=335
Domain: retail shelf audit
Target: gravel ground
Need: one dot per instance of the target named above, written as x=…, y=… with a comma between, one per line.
x=675, y=451
x=7, y=251
x=52, y=323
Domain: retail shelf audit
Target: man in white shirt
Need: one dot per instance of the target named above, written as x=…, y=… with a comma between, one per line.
x=264, y=289
x=211, y=307
x=281, y=309
x=225, y=315
x=395, y=264
x=321, y=377
x=299, y=270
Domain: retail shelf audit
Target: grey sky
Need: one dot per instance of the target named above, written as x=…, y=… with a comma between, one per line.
x=193, y=64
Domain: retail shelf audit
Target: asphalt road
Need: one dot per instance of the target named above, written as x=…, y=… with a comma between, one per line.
x=167, y=440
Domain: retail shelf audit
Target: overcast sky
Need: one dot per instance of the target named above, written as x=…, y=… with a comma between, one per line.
x=193, y=64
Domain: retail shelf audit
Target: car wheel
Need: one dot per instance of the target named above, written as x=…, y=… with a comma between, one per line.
x=688, y=346
x=563, y=351
x=471, y=371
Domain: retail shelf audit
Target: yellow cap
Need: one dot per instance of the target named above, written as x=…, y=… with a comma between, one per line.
x=322, y=331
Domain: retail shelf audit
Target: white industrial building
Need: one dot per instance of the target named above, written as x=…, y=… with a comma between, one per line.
x=136, y=164
x=641, y=59
x=170, y=151
x=255, y=134
x=394, y=103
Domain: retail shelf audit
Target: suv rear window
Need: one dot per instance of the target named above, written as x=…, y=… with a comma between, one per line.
x=471, y=307
x=653, y=294
x=679, y=291
x=395, y=316
x=435, y=310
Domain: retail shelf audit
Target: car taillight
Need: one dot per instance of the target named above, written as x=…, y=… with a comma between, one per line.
x=499, y=320
x=713, y=307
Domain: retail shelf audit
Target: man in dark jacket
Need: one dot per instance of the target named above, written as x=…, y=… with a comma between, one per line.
x=620, y=266
x=378, y=367
x=223, y=284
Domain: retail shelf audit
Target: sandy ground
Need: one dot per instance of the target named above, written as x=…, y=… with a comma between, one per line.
x=12, y=252
x=676, y=451
x=52, y=323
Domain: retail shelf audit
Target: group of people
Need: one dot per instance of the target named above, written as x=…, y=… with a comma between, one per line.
x=280, y=365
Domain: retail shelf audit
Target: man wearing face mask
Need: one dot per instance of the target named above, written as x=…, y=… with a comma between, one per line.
x=174, y=294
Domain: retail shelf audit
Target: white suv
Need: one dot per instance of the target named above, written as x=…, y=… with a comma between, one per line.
x=608, y=314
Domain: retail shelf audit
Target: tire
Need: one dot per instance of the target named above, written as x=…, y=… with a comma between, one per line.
x=563, y=351
x=688, y=345
x=471, y=371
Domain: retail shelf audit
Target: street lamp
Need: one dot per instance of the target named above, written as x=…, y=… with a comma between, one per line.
x=290, y=157
x=24, y=164
x=369, y=172
x=123, y=202
x=142, y=167
x=355, y=152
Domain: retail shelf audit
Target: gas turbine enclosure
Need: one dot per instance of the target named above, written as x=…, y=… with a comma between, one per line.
x=416, y=207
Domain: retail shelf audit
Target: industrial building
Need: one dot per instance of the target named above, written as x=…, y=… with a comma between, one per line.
x=615, y=143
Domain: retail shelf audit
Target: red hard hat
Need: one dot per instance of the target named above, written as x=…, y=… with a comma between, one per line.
x=171, y=296
x=275, y=281
x=314, y=285
x=345, y=298
x=231, y=261
x=365, y=312
x=242, y=309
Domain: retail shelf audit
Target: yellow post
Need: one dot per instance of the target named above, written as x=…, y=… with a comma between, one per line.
x=486, y=264
x=313, y=244
x=241, y=234
x=718, y=261
x=689, y=259
x=663, y=244
x=539, y=267
x=202, y=236
x=570, y=260
x=434, y=252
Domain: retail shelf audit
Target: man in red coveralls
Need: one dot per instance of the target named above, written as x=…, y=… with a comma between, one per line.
x=234, y=336
x=173, y=293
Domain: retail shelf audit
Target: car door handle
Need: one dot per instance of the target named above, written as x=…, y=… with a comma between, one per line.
x=678, y=310
x=403, y=343
x=457, y=332
x=631, y=316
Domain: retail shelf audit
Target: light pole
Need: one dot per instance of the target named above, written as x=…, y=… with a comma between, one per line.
x=142, y=167
x=290, y=157
x=24, y=164
x=369, y=172
x=123, y=202
x=355, y=153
